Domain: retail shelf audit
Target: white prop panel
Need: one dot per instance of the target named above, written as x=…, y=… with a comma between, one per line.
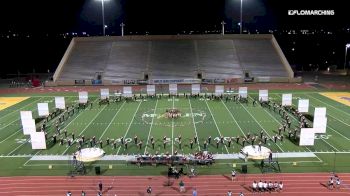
x=127, y=91
x=263, y=95
x=151, y=89
x=320, y=120
x=173, y=89
x=303, y=105
x=83, y=97
x=287, y=99
x=307, y=137
x=104, y=93
x=43, y=109
x=243, y=92
x=38, y=140
x=60, y=103
x=25, y=115
x=219, y=90
x=28, y=126
x=196, y=88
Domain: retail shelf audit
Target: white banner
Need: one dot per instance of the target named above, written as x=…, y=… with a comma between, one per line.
x=83, y=97
x=303, y=105
x=38, y=140
x=307, y=137
x=151, y=89
x=43, y=109
x=287, y=99
x=173, y=89
x=104, y=93
x=320, y=124
x=320, y=112
x=219, y=90
x=28, y=126
x=26, y=115
x=127, y=91
x=243, y=92
x=263, y=95
x=60, y=103
x=196, y=88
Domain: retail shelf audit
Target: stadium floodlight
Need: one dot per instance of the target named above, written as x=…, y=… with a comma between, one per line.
x=122, y=28
x=103, y=17
x=346, y=52
x=223, y=28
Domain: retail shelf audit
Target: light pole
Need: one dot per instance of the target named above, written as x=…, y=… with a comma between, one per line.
x=122, y=26
x=103, y=17
x=223, y=28
x=346, y=52
x=240, y=21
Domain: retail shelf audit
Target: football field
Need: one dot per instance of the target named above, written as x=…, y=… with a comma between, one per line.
x=201, y=118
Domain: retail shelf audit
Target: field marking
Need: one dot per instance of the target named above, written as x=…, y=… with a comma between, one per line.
x=215, y=123
x=328, y=104
x=31, y=158
x=110, y=123
x=260, y=125
x=327, y=124
x=35, y=108
x=281, y=125
x=20, y=108
x=321, y=138
x=85, y=127
x=150, y=128
x=132, y=119
x=17, y=148
x=233, y=118
x=194, y=124
x=15, y=132
x=172, y=131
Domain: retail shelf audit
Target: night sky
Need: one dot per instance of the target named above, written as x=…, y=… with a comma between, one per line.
x=39, y=18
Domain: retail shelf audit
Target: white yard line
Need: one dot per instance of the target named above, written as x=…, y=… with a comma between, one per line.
x=233, y=118
x=20, y=108
x=132, y=119
x=328, y=104
x=30, y=158
x=110, y=123
x=150, y=128
x=261, y=126
x=331, y=127
x=172, y=130
x=85, y=127
x=194, y=124
x=321, y=138
x=215, y=123
x=281, y=125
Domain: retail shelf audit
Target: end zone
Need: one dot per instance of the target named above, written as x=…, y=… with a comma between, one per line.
x=6, y=102
x=341, y=97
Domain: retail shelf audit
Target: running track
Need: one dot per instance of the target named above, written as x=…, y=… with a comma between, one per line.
x=294, y=184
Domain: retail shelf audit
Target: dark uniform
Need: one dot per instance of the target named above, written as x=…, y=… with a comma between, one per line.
x=191, y=144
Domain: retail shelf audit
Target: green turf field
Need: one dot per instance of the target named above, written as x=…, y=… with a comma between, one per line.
x=200, y=117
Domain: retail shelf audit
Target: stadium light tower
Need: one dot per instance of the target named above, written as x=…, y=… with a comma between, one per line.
x=103, y=17
x=240, y=19
x=346, y=52
x=223, y=28
x=122, y=26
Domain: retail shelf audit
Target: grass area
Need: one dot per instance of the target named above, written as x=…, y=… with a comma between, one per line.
x=200, y=117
